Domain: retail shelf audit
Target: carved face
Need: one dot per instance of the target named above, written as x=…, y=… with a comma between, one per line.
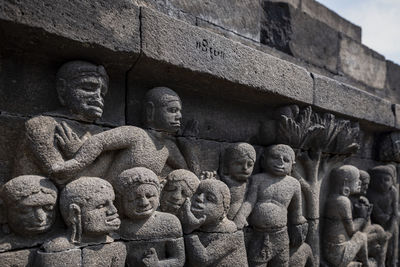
x=141, y=202
x=278, y=162
x=385, y=181
x=241, y=168
x=84, y=97
x=173, y=196
x=354, y=185
x=364, y=185
x=99, y=215
x=208, y=201
x=167, y=117
x=32, y=215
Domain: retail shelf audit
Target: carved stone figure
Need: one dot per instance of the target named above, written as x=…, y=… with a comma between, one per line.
x=344, y=240
x=384, y=196
x=237, y=166
x=154, y=148
x=180, y=184
x=215, y=240
x=27, y=215
x=48, y=140
x=273, y=201
x=153, y=238
x=377, y=237
x=87, y=207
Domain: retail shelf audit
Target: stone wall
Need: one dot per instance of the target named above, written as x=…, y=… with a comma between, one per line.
x=263, y=73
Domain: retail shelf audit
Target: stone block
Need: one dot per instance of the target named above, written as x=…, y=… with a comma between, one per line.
x=362, y=63
x=320, y=12
x=185, y=46
x=393, y=79
x=224, y=13
x=111, y=24
x=347, y=100
x=294, y=32
x=396, y=111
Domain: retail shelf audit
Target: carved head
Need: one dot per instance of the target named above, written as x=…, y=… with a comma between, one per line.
x=162, y=110
x=239, y=161
x=345, y=180
x=383, y=177
x=138, y=191
x=211, y=199
x=30, y=202
x=278, y=160
x=365, y=179
x=81, y=87
x=181, y=184
x=87, y=207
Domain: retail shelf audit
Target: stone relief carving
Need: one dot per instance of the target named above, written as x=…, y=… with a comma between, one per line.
x=87, y=207
x=56, y=136
x=153, y=238
x=384, y=195
x=211, y=238
x=233, y=218
x=273, y=202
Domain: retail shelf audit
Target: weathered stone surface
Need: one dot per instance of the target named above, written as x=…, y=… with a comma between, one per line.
x=292, y=31
x=114, y=25
x=223, y=13
x=324, y=14
x=178, y=43
x=350, y=101
x=393, y=80
x=362, y=63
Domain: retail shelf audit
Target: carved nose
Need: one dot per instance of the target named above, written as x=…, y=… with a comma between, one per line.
x=40, y=215
x=144, y=202
x=112, y=209
x=200, y=198
x=177, y=195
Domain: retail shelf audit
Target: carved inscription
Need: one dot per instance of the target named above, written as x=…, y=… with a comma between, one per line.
x=205, y=46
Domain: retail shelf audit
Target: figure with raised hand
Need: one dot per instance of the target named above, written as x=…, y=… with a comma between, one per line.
x=384, y=196
x=212, y=239
x=153, y=238
x=345, y=241
x=237, y=166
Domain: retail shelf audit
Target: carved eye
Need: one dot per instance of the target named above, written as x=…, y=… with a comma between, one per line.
x=211, y=198
x=287, y=160
x=101, y=206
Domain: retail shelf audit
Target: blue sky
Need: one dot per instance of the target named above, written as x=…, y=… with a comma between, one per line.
x=379, y=20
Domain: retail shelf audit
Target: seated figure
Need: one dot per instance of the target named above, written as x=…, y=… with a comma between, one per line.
x=51, y=138
x=180, y=184
x=344, y=237
x=377, y=237
x=213, y=239
x=273, y=201
x=28, y=216
x=87, y=207
x=384, y=196
x=237, y=166
x=155, y=148
x=152, y=238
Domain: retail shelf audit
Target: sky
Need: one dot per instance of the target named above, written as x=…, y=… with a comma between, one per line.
x=379, y=20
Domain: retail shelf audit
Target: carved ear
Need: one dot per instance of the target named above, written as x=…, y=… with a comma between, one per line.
x=149, y=106
x=61, y=90
x=346, y=191
x=75, y=222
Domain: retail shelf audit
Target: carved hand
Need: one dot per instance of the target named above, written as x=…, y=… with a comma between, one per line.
x=240, y=222
x=150, y=258
x=208, y=175
x=68, y=141
x=189, y=221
